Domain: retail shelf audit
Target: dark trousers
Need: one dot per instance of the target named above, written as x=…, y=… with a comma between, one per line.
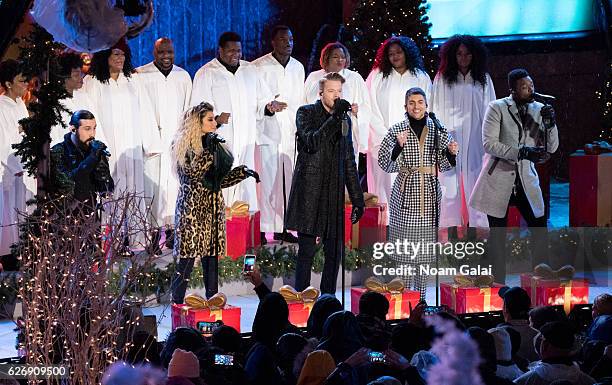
x=497, y=236
x=210, y=269
x=307, y=245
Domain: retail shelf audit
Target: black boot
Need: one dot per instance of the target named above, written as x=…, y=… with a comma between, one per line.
x=154, y=247
x=263, y=239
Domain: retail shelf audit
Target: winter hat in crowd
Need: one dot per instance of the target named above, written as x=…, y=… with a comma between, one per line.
x=184, y=364
x=503, y=344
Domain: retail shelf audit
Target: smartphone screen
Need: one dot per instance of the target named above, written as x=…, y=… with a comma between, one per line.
x=428, y=310
x=224, y=359
x=249, y=263
x=207, y=328
x=376, y=357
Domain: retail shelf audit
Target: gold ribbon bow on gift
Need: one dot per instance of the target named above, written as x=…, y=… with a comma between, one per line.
x=195, y=301
x=238, y=209
x=310, y=294
x=394, y=286
x=474, y=281
x=565, y=273
x=484, y=282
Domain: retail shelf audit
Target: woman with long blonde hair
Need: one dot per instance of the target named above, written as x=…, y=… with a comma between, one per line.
x=204, y=167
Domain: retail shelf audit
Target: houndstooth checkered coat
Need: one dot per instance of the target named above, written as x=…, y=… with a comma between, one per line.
x=412, y=211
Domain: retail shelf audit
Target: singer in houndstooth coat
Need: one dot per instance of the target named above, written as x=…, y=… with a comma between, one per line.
x=416, y=194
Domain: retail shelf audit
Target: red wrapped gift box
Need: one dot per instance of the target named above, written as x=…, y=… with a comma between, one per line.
x=399, y=304
x=183, y=315
x=466, y=299
x=551, y=292
x=299, y=313
x=243, y=233
x=371, y=228
x=590, y=190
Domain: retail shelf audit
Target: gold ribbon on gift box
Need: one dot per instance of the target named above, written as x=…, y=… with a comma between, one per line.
x=215, y=304
x=307, y=296
x=484, y=282
x=238, y=209
x=563, y=274
x=394, y=288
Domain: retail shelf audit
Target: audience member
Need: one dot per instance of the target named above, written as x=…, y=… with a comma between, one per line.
x=516, y=314
x=184, y=338
x=325, y=305
x=556, y=350
x=506, y=368
x=318, y=366
x=488, y=364
x=185, y=365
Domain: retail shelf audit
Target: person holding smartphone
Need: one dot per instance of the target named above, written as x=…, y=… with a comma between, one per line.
x=204, y=167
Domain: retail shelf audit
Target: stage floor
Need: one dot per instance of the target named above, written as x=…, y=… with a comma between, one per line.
x=559, y=217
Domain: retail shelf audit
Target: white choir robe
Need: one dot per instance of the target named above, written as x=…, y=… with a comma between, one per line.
x=276, y=139
x=388, y=97
x=354, y=90
x=79, y=101
x=244, y=95
x=170, y=99
x=128, y=127
x=460, y=107
x=16, y=190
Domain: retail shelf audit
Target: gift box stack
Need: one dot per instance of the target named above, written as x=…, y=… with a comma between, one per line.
x=400, y=299
x=547, y=287
x=590, y=189
x=471, y=294
x=197, y=309
x=300, y=303
x=242, y=229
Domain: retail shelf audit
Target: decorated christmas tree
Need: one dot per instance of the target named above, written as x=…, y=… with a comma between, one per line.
x=373, y=21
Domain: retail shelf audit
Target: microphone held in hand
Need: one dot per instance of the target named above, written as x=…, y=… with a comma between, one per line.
x=211, y=139
x=542, y=98
x=99, y=147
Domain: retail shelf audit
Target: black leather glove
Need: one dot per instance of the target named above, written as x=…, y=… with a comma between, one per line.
x=252, y=173
x=548, y=116
x=356, y=214
x=210, y=140
x=341, y=107
x=533, y=154
x=97, y=147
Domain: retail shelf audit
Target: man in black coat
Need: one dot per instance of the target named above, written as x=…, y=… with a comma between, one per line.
x=79, y=165
x=316, y=201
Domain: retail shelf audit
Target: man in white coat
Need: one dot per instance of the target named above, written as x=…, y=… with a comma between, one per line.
x=275, y=154
x=517, y=133
x=169, y=88
x=240, y=97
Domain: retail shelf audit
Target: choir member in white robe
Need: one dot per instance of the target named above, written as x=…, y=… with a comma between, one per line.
x=275, y=151
x=70, y=66
x=124, y=110
x=335, y=57
x=240, y=97
x=462, y=90
x=17, y=186
x=169, y=89
x=397, y=68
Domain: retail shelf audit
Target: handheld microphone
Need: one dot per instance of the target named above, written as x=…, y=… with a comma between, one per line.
x=435, y=120
x=106, y=153
x=542, y=98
